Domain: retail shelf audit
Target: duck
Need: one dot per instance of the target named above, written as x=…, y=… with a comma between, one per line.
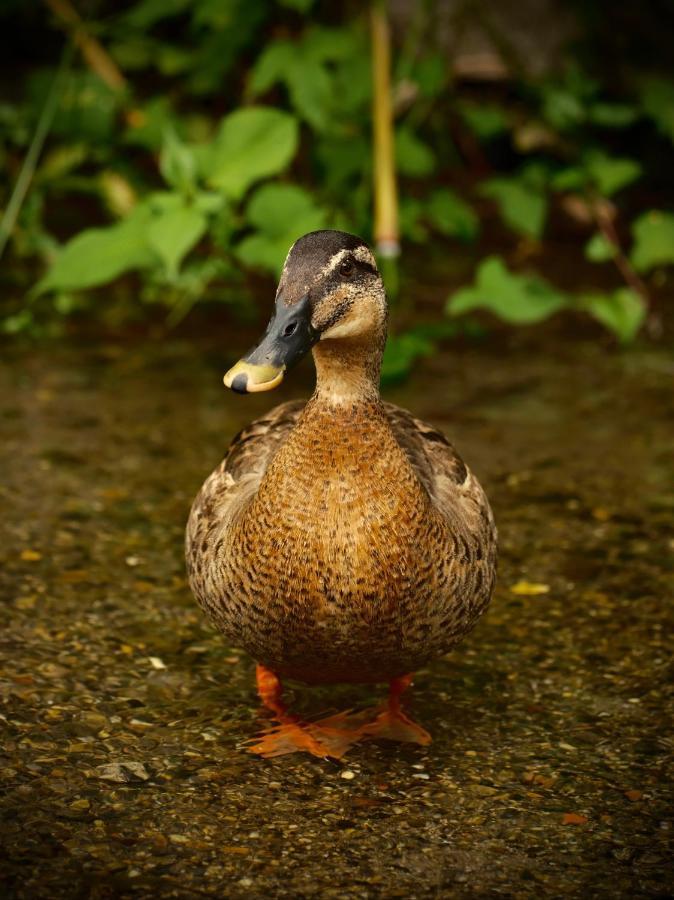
x=341, y=539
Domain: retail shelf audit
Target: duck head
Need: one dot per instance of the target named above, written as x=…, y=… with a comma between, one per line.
x=330, y=289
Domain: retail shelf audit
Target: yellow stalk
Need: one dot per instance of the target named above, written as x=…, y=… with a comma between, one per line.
x=386, y=234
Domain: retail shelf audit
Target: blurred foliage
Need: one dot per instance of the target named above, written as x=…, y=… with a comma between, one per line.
x=246, y=124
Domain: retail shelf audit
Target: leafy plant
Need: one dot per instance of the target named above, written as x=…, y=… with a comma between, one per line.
x=516, y=298
x=235, y=127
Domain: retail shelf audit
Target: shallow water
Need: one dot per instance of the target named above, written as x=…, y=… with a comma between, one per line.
x=122, y=763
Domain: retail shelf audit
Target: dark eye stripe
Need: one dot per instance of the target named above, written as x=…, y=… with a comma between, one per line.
x=337, y=314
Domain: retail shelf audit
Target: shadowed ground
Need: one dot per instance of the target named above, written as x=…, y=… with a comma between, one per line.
x=121, y=762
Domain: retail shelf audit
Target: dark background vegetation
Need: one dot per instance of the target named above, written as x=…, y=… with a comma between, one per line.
x=193, y=140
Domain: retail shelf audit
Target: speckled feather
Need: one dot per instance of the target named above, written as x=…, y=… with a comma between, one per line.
x=342, y=543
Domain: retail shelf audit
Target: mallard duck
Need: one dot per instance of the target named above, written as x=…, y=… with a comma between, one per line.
x=341, y=539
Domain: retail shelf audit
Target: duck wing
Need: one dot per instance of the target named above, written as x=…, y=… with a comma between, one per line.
x=237, y=477
x=453, y=488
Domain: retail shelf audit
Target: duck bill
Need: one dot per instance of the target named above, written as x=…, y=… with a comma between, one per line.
x=289, y=337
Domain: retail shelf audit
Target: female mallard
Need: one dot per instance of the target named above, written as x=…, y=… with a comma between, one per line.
x=341, y=540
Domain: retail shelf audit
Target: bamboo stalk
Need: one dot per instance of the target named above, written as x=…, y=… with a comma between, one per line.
x=386, y=231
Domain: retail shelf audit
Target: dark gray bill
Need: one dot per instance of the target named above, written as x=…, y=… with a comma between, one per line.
x=289, y=336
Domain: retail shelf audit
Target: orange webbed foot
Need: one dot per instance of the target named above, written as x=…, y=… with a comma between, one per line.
x=394, y=725
x=330, y=737
x=327, y=738
x=334, y=735
x=391, y=722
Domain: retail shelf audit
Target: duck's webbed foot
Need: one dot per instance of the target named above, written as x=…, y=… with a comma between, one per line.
x=329, y=737
x=392, y=723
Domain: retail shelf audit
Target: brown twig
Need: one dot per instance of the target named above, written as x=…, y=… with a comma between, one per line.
x=604, y=217
x=96, y=56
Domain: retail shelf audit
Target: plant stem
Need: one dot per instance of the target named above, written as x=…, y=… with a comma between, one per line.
x=31, y=158
x=97, y=57
x=604, y=219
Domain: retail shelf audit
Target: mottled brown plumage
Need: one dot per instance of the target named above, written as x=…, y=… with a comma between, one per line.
x=341, y=539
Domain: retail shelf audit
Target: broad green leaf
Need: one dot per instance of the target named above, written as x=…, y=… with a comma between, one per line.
x=304, y=75
x=263, y=251
x=99, y=255
x=612, y=115
x=485, y=120
x=571, y=178
x=610, y=173
x=561, y=108
x=452, y=216
x=599, y=248
x=331, y=44
x=271, y=66
x=622, y=312
x=522, y=206
x=281, y=213
x=311, y=92
x=519, y=299
x=413, y=156
x=657, y=99
x=283, y=208
x=173, y=234
x=653, y=234
x=252, y=143
x=177, y=162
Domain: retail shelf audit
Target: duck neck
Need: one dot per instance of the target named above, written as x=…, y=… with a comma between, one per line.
x=348, y=369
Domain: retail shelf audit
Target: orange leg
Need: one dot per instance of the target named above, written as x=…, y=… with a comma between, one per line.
x=270, y=690
x=330, y=737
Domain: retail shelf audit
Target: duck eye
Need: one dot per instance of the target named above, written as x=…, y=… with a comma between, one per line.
x=346, y=268
x=290, y=328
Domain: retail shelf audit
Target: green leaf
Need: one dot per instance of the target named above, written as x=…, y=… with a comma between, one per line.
x=653, y=234
x=148, y=124
x=609, y=173
x=518, y=299
x=311, y=91
x=280, y=213
x=561, y=108
x=413, y=156
x=410, y=219
x=452, y=216
x=252, y=143
x=657, y=99
x=522, y=206
x=177, y=162
x=298, y=5
x=599, y=248
x=173, y=234
x=622, y=312
x=99, y=255
x=485, y=120
x=430, y=73
x=571, y=178
x=271, y=66
x=282, y=209
x=612, y=115
x=400, y=354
